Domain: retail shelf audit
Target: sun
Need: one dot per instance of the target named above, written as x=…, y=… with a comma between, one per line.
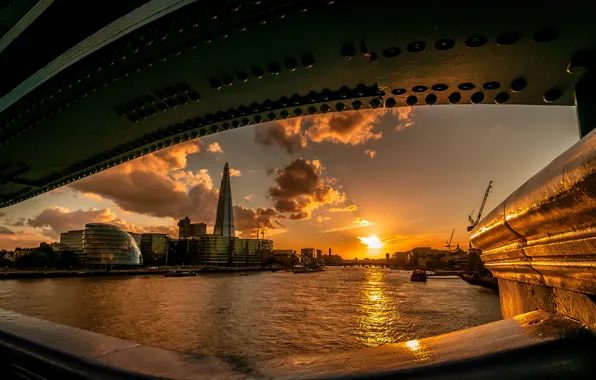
x=371, y=242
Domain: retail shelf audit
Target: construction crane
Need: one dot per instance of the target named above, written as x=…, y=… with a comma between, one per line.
x=474, y=223
x=449, y=241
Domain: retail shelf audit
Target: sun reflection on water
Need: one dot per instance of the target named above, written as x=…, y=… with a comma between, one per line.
x=419, y=352
x=376, y=312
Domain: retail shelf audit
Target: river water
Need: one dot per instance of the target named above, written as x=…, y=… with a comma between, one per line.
x=261, y=314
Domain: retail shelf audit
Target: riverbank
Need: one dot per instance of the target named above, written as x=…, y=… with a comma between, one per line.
x=22, y=274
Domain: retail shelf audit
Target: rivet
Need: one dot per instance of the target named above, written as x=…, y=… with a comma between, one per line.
x=271, y=116
x=325, y=108
x=215, y=83
x=508, y=38
x=348, y=51
x=390, y=103
x=273, y=68
x=160, y=57
x=243, y=76
x=268, y=104
x=182, y=99
x=440, y=87
x=152, y=111
x=419, y=88
x=325, y=94
x=391, y=52
x=258, y=119
x=192, y=43
x=411, y=100
x=312, y=96
x=194, y=134
x=399, y=91
x=296, y=99
x=172, y=103
x=235, y=123
x=120, y=111
x=284, y=114
x=242, y=110
x=254, y=107
x=477, y=97
x=476, y=40
x=307, y=60
x=298, y=112
x=207, y=39
x=444, y=44
x=261, y=20
x=281, y=15
x=194, y=96
x=284, y=101
x=416, y=46
x=518, y=84
x=161, y=107
x=360, y=89
x=176, y=27
x=161, y=35
x=246, y=121
x=241, y=26
x=491, y=85
x=502, y=97
x=430, y=99
x=258, y=72
x=466, y=86
x=546, y=34
x=454, y=98
x=340, y=107
x=344, y=92
x=312, y=110
x=552, y=95
x=227, y=79
x=291, y=63
x=213, y=13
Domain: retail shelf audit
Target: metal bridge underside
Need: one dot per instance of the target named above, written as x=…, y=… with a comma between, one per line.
x=86, y=89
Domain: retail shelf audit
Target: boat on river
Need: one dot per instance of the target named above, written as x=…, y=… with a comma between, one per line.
x=418, y=275
x=309, y=267
x=180, y=274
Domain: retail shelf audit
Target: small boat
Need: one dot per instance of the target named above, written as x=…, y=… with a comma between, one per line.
x=180, y=274
x=418, y=275
x=243, y=273
x=299, y=268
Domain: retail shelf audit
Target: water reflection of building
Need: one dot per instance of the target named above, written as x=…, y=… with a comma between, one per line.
x=106, y=244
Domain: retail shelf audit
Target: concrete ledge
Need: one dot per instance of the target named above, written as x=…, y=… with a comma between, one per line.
x=537, y=344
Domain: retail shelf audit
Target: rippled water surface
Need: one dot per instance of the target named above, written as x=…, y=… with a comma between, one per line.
x=260, y=314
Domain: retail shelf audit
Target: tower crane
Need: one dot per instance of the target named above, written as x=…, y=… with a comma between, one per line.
x=474, y=223
x=449, y=241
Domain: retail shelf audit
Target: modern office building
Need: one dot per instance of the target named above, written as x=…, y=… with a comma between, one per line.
x=154, y=248
x=184, y=228
x=183, y=252
x=109, y=245
x=223, y=250
x=72, y=241
x=136, y=236
x=197, y=230
x=224, y=221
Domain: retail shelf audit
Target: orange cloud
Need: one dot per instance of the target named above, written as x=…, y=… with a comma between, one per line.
x=248, y=197
x=358, y=223
x=214, y=148
x=349, y=208
x=370, y=153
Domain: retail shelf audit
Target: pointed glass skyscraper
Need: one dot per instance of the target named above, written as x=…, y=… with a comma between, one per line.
x=224, y=222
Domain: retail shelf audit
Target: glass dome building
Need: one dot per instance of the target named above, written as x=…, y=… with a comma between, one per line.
x=106, y=244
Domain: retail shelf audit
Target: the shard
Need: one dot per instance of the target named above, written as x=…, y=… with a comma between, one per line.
x=224, y=221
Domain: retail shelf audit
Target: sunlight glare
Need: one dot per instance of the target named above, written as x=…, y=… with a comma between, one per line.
x=371, y=241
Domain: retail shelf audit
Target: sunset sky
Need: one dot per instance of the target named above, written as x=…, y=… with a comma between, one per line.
x=396, y=179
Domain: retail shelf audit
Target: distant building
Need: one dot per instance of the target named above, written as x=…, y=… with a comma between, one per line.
x=401, y=258
x=72, y=241
x=184, y=228
x=387, y=256
x=154, y=248
x=197, y=230
x=307, y=253
x=224, y=221
x=137, y=237
x=319, y=253
x=282, y=257
x=224, y=250
x=183, y=252
x=109, y=245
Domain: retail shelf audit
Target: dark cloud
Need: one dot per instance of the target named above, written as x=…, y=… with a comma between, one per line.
x=247, y=220
x=19, y=223
x=55, y=220
x=286, y=134
x=300, y=189
x=156, y=185
x=6, y=231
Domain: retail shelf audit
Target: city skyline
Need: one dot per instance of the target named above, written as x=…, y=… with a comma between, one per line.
x=351, y=182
